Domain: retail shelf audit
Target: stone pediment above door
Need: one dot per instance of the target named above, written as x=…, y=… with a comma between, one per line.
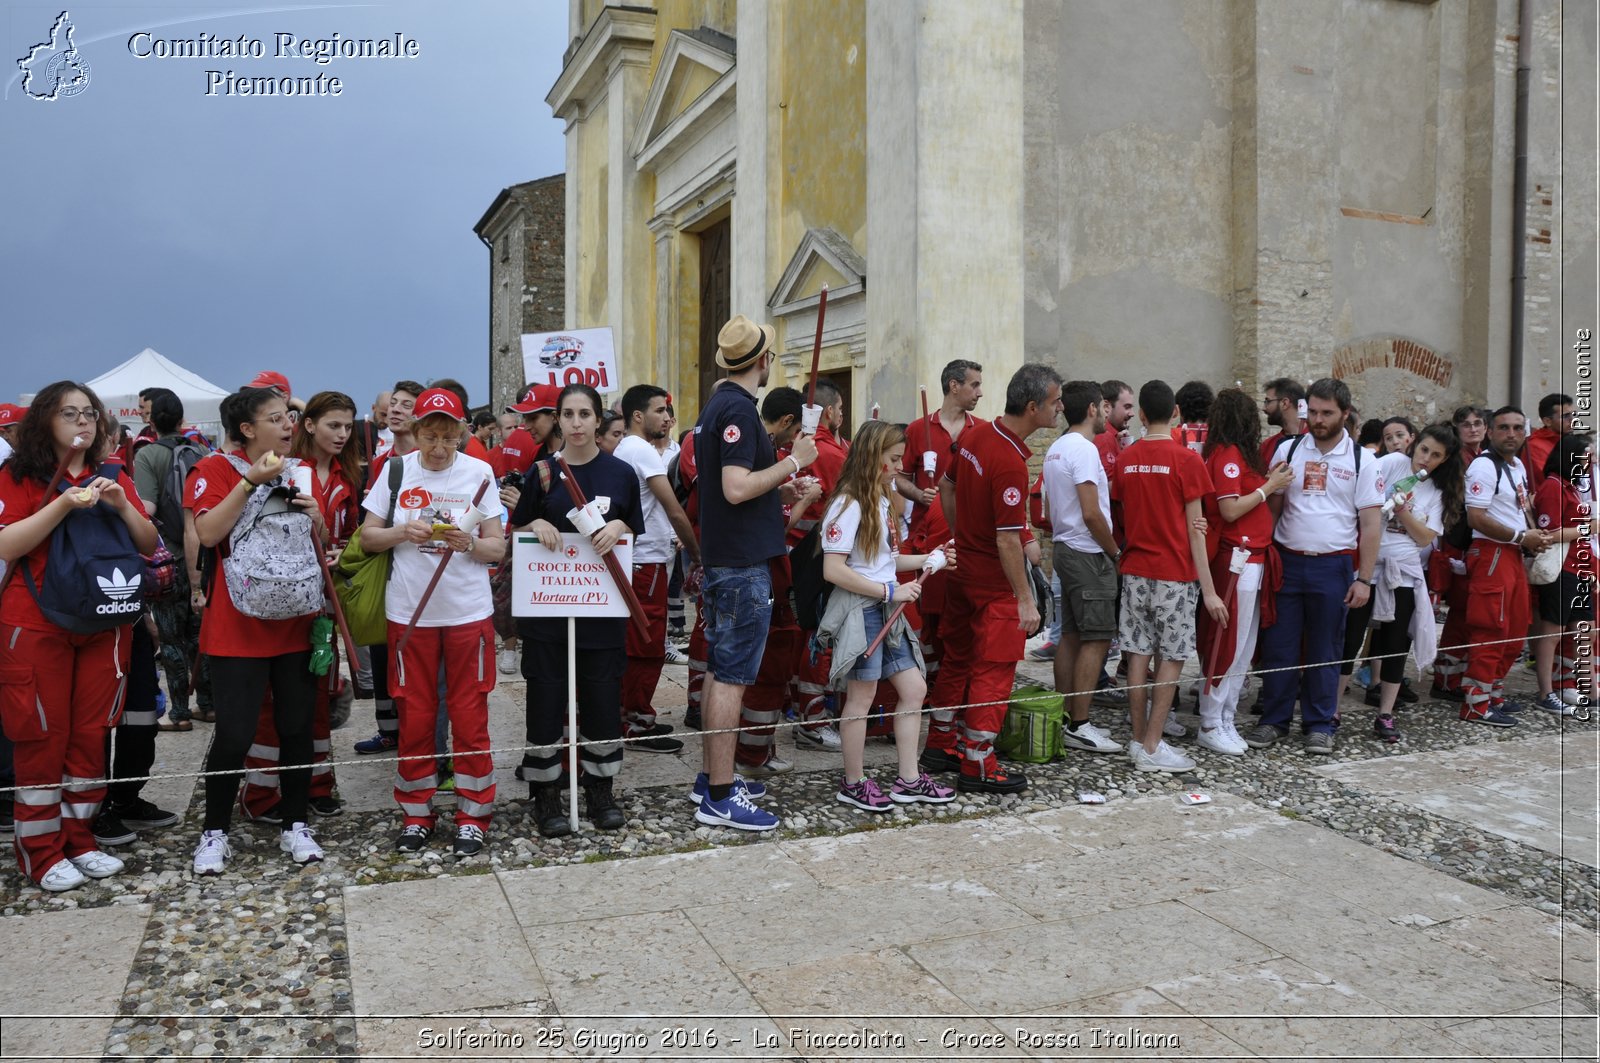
x=824, y=256
x=692, y=91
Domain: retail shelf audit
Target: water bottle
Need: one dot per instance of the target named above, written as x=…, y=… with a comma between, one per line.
x=1403, y=490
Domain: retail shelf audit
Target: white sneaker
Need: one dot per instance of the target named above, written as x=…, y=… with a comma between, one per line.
x=96, y=864
x=1165, y=758
x=1089, y=738
x=508, y=662
x=1172, y=728
x=298, y=842
x=1229, y=726
x=212, y=852
x=775, y=765
x=63, y=875
x=1219, y=741
x=675, y=655
x=824, y=737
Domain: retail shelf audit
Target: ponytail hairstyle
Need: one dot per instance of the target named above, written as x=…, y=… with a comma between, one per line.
x=1451, y=475
x=861, y=480
x=304, y=445
x=240, y=408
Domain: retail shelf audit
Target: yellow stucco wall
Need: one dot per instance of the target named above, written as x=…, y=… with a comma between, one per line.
x=592, y=304
x=821, y=178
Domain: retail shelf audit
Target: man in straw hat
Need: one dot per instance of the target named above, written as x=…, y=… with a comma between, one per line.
x=741, y=533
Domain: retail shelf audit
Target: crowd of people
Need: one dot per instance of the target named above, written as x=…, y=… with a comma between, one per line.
x=850, y=586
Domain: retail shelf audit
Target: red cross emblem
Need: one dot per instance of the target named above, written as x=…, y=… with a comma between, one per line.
x=1011, y=496
x=571, y=552
x=1477, y=489
x=833, y=534
x=730, y=434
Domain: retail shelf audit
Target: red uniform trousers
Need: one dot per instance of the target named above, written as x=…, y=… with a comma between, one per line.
x=763, y=700
x=59, y=695
x=810, y=683
x=941, y=721
x=1451, y=663
x=260, y=791
x=698, y=648
x=646, y=654
x=982, y=645
x=1497, y=619
x=467, y=652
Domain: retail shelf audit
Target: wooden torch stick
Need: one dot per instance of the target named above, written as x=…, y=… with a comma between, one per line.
x=333, y=596
x=901, y=608
x=613, y=566
x=816, y=347
x=427, y=593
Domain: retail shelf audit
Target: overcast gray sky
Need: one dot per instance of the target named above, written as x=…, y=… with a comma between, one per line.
x=327, y=237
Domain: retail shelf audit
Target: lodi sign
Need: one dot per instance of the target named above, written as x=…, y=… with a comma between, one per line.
x=575, y=356
x=570, y=582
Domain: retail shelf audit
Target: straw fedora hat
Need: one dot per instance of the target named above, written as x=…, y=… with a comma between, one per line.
x=741, y=341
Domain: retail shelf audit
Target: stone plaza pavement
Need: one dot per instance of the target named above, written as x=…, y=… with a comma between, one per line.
x=1040, y=929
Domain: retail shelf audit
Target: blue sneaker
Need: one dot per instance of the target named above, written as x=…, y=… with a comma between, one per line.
x=738, y=812
x=378, y=743
x=698, y=793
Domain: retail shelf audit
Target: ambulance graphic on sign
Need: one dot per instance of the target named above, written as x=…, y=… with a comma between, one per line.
x=560, y=351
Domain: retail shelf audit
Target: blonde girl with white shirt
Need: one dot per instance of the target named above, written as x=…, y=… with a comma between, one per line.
x=860, y=546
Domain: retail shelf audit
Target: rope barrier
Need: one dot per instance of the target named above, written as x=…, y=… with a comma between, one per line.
x=780, y=724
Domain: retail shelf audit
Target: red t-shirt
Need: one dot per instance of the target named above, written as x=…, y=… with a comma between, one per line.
x=224, y=631
x=1232, y=478
x=19, y=501
x=928, y=527
x=1536, y=451
x=990, y=474
x=1156, y=477
x=1109, y=444
x=338, y=499
x=830, y=462
x=1557, y=505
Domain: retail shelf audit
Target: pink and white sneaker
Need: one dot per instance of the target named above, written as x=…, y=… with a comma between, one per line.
x=922, y=789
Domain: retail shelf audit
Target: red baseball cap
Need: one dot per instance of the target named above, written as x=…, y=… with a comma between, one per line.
x=539, y=397
x=268, y=379
x=10, y=415
x=438, y=400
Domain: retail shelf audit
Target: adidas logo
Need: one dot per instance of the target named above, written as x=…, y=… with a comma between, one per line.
x=119, y=588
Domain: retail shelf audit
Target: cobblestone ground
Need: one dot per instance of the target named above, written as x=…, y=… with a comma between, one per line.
x=255, y=963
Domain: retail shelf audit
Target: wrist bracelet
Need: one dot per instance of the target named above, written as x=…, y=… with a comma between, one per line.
x=793, y=461
x=888, y=591
x=1263, y=495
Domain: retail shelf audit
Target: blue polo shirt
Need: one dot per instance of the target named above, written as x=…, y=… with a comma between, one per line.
x=730, y=432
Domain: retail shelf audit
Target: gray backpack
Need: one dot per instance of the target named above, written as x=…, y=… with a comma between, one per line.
x=272, y=567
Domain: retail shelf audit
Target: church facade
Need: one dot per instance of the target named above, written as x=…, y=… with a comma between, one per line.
x=1216, y=189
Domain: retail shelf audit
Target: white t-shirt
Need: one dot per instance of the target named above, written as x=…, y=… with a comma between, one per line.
x=1427, y=505
x=1074, y=460
x=462, y=595
x=1506, y=501
x=1322, y=501
x=839, y=527
x=655, y=545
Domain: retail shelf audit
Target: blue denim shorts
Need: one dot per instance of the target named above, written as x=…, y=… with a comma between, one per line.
x=738, y=609
x=884, y=661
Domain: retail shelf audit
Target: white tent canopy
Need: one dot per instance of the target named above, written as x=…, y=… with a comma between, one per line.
x=119, y=389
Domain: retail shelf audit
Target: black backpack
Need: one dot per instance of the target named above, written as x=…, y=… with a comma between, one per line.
x=808, y=590
x=168, y=515
x=1459, y=534
x=93, y=574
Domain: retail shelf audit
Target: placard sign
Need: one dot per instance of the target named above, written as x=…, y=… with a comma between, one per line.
x=572, y=581
x=575, y=356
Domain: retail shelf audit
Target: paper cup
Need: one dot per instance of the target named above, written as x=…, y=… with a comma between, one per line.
x=810, y=418
x=930, y=462
x=301, y=478
x=587, y=520
x=470, y=519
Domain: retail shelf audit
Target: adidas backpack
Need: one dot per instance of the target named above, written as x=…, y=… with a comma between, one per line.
x=92, y=576
x=271, y=564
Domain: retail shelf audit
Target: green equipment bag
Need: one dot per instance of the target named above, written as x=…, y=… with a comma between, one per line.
x=1032, y=731
x=363, y=579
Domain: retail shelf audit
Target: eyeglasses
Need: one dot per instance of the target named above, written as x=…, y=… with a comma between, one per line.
x=277, y=419
x=72, y=415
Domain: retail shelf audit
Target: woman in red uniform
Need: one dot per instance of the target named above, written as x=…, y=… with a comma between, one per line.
x=1564, y=505
x=321, y=442
x=249, y=656
x=1238, y=511
x=59, y=690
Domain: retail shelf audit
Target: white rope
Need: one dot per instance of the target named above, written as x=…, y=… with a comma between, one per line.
x=763, y=729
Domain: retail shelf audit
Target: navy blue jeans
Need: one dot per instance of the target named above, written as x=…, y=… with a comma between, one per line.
x=1310, y=618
